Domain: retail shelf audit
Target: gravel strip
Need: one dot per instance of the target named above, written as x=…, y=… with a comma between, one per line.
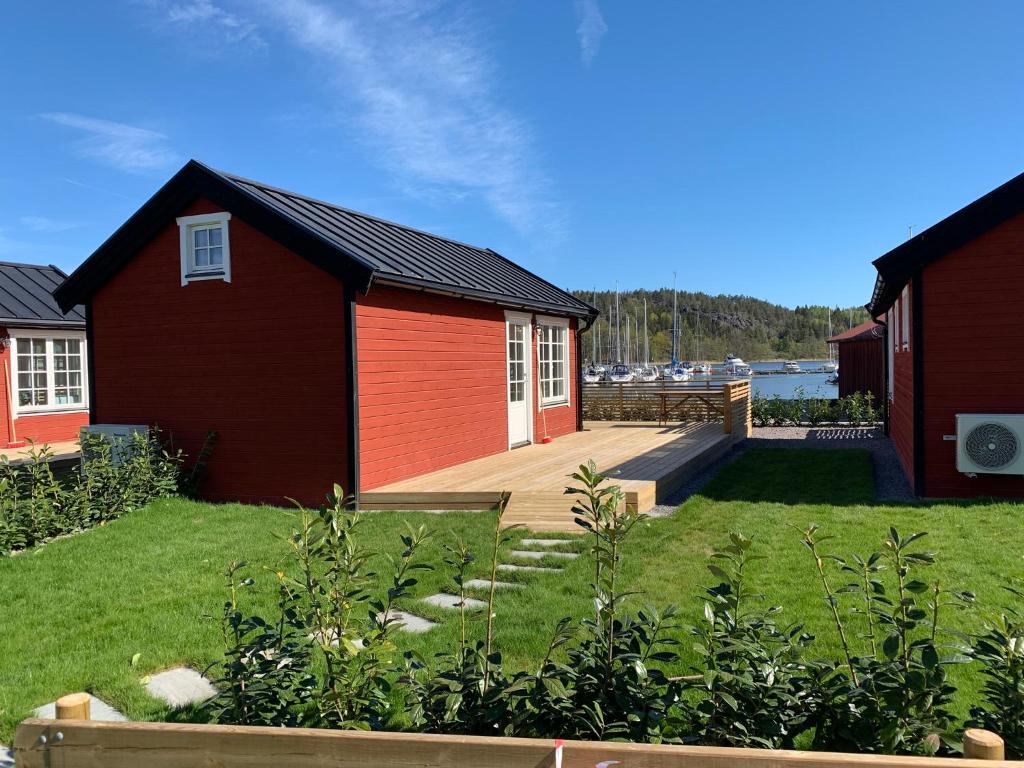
x=890, y=483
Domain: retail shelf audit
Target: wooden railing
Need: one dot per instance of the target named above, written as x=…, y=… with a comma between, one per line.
x=713, y=399
x=86, y=744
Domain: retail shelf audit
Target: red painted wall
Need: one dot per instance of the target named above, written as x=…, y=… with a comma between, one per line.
x=901, y=407
x=862, y=368
x=37, y=428
x=432, y=384
x=973, y=325
x=261, y=360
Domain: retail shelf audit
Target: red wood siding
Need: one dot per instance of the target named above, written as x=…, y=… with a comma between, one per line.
x=973, y=325
x=37, y=428
x=862, y=368
x=260, y=360
x=901, y=408
x=433, y=384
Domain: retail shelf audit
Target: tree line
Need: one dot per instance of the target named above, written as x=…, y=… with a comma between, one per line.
x=709, y=327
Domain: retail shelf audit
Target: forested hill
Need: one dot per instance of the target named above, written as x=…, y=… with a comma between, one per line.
x=712, y=326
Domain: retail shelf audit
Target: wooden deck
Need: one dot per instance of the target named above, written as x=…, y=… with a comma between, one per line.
x=648, y=461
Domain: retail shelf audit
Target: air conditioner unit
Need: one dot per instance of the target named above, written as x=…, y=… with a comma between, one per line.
x=990, y=443
x=119, y=436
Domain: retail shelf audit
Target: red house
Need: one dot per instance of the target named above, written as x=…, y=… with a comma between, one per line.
x=321, y=344
x=861, y=357
x=953, y=300
x=43, y=350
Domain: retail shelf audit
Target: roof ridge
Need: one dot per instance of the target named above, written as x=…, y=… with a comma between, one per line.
x=344, y=209
x=24, y=265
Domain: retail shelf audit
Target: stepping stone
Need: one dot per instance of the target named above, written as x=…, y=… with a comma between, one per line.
x=527, y=568
x=180, y=687
x=546, y=542
x=358, y=642
x=6, y=757
x=444, y=600
x=486, y=584
x=534, y=555
x=98, y=710
x=410, y=622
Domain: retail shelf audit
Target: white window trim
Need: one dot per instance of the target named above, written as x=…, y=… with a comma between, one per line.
x=185, y=226
x=554, y=402
x=905, y=318
x=48, y=334
x=527, y=321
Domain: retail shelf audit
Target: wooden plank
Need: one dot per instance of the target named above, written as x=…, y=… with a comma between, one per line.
x=86, y=744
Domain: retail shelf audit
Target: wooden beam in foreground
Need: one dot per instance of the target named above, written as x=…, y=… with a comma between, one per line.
x=88, y=744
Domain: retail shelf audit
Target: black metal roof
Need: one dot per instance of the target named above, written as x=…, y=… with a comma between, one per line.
x=26, y=297
x=901, y=263
x=353, y=246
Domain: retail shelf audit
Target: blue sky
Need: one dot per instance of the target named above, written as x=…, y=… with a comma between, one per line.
x=770, y=149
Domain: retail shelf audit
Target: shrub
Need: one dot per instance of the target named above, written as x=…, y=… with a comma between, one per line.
x=36, y=505
x=1000, y=652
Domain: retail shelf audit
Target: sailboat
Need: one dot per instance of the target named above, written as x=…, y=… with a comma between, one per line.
x=831, y=366
x=648, y=372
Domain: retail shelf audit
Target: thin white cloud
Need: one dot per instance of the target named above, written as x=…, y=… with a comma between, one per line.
x=423, y=87
x=591, y=29
x=121, y=146
x=46, y=224
x=206, y=15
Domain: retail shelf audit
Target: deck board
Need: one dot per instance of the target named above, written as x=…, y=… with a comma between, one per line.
x=648, y=461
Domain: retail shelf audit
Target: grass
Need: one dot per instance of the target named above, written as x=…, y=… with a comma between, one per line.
x=75, y=612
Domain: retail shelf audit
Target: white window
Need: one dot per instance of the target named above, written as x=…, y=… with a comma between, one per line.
x=905, y=321
x=205, y=251
x=49, y=372
x=553, y=359
x=896, y=325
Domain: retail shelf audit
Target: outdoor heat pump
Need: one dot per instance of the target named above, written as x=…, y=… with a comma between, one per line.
x=118, y=435
x=991, y=444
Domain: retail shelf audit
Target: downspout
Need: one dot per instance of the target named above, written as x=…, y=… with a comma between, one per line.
x=90, y=360
x=590, y=320
x=917, y=360
x=352, y=401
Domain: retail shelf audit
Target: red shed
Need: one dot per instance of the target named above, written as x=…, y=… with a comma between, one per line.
x=861, y=357
x=953, y=300
x=322, y=345
x=45, y=377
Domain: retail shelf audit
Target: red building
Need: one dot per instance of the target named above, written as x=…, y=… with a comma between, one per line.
x=322, y=345
x=861, y=358
x=43, y=350
x=953, y=301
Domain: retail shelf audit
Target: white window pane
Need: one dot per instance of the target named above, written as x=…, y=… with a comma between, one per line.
x=216, y=255
x=202, y=238
x=215, y=236
x=74, y=346
x=24, y=381
x=76, y=395
x=25, y=397
x=39, y=363
x=59, y=346
x=40, y=397
x=39, y=346
x=75, y=379
x=60, y=379
x=40, y=380
x=24, y=346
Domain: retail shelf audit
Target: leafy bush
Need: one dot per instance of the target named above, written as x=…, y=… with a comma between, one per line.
x=36, y=505
x=330, y=657
x=857, y=409
x=1000, y=652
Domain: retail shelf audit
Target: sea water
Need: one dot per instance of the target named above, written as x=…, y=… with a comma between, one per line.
x=785, y=385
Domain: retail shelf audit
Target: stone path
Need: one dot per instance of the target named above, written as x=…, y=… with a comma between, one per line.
x=6, y=757
x=546, y=542
x=180, y=687
x=532, y=554
x=512, y=567
x=444, y=600
x=486, y=584
x=410, y=622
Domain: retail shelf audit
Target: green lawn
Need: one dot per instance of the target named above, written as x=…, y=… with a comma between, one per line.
x=74, y=612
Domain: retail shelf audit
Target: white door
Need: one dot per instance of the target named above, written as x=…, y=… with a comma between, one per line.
x=518, y=334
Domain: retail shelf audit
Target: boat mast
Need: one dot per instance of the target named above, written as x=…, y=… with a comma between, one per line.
x=647, y=340
x=675, y=320
x=593, y=339
x=618, y=325
x=636, y=336
x=626, y=360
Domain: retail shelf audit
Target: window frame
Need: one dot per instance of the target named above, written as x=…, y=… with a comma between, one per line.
x=554, y=401
x=51, y=407
x=190, y=272
x=905, y=316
